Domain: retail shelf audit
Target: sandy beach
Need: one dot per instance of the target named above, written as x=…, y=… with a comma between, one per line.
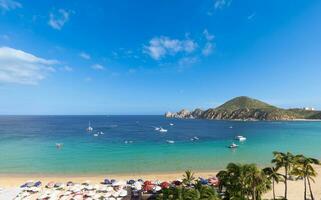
x=295, y=188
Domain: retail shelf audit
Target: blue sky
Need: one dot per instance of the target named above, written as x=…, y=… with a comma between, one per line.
x=148, y=57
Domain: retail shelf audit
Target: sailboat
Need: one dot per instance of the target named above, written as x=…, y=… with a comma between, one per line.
x=89, y=129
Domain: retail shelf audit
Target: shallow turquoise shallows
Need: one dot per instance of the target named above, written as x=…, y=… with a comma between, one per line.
x=28, y=143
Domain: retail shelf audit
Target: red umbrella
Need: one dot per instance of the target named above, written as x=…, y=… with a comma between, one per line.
x=164, y=185
x=148, y=187
x=148, y=183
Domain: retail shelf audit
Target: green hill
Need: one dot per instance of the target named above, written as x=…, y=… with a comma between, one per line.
x=244, y=102
x=246, y=108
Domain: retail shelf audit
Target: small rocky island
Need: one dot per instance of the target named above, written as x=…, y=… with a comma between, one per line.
x=245, y=108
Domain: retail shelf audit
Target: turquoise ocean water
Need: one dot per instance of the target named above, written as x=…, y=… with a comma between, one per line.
x=27, y=144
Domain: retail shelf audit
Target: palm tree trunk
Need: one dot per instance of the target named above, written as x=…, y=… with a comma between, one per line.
x=273, y=189
x=254, y=193
x=311, y=194
x=305, y=188
x=286, y=183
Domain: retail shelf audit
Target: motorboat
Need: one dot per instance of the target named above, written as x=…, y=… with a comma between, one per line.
x=233, y=146
x=240, y=138
x=171, y=124
x=89, y=129
x=195, y=138
x=162, y=130
x=170, y=141
x=157, y=128
x=59, y=145
x=96, y=135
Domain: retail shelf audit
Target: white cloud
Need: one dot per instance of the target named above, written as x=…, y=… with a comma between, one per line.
x=20, y=67
x=209, y=46
x=208, y=36
x=85, y=56
x=7, y=5
x=160, y=47
x=208, y=49
x=187, y=61
x=57, y=20
x=97, y=67
x=67, y=68
x=219, y=4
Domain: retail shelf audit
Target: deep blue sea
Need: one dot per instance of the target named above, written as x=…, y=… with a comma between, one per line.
x=28, y=143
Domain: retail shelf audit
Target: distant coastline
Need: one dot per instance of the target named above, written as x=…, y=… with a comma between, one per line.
x=248, y=109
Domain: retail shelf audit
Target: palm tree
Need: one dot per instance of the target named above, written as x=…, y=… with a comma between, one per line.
x=243, y=181
x=272, y=174
x=188, y=178
x=303, y=168
x=283, y=160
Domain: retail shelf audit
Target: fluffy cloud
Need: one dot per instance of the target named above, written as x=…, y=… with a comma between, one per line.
x=57, y=20
x=160, y=47
x=85, y=56
x=20, y=67
x=97, y=67
x=7, y=5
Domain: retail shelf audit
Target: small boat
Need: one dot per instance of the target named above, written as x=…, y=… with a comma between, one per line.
x=162, y=130
x=195, y=138
x=170, y=141
x=59, y=145
x=171, y=124
x=233, y=146
x=89, y=129
x=240, y=138
x=95, y=135
x=157, y=128
x=231, y=127
x=101, y=133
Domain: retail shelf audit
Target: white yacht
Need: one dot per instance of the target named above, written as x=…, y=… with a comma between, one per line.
x=89, y=129
x=233, y=145
x=240, y=138
x=162, y=130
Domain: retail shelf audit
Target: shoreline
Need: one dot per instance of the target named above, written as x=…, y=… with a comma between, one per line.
x=13, y=181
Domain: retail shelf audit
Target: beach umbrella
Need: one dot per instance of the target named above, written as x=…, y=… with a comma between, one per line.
x=157, y=188
x=107, y=181
x=203, y=181
x=118, y=183
x=138, y=185
x=70, y=183
x=51, y=184
x=177, y=182
x=37, y=184
x=165, y=185
x=148, y=187
x=214, y=181
x=148, y=183
x=123, y=193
